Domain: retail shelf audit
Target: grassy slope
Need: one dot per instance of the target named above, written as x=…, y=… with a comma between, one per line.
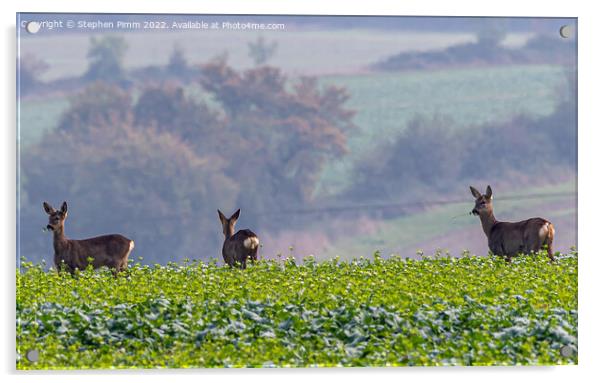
x=469, y=311
x=38, y=117
x=386, y=102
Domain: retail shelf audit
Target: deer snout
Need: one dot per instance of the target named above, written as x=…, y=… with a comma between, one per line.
x=49, y=227
x=474, y=212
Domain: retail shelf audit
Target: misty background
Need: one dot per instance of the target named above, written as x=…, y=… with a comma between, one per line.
x=336, y=136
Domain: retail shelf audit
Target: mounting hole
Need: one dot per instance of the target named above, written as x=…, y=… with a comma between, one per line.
x=566, y=351
x=33, y=355
x=32, y=27
x=566, y=31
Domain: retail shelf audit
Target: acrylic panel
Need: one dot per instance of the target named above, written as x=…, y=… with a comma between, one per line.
x=201, y=191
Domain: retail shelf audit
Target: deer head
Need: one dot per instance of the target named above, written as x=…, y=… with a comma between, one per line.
x=483, y=204
x=228, y=223
x=56, y=218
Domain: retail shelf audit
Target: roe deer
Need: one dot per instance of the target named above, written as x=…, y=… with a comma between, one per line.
x=508, y=239
x=237, y=247
x=107, y=250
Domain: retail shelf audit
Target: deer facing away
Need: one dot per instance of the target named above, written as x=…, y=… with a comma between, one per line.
x=509, y=239
x=107, y=250
x=237, y=247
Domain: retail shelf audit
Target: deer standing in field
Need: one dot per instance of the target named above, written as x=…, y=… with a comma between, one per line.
x=509, y=239
x=237, y=247
x=107, y=250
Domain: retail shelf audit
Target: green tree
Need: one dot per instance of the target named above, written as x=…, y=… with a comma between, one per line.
x=106, y=56
x=177, y=65
x=280, y=133
x=490, y=36
x=99, y=104
x=167, y=109
x=261, y=51
x=30, y=70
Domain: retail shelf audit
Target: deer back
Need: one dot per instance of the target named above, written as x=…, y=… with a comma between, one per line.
x=240, y=247
x=111, y=251
x=512, y=238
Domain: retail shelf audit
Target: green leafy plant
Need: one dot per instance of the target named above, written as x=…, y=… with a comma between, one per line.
x=365, y=312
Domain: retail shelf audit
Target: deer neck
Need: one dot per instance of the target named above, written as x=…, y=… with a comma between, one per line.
x=487, y=222
x=59, y=240
x=229, y=232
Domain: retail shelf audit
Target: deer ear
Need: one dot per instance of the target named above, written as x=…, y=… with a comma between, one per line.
x=475, y=192
x=489, y=192
x=47, y=208
x=235, y=215
x=64, y=208
x=221, y=215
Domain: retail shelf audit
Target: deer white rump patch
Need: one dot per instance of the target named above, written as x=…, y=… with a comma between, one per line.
x=251, y=243
x=543, y=231
x=131, y=245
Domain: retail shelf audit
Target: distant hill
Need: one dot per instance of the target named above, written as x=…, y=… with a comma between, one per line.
x=484, y=52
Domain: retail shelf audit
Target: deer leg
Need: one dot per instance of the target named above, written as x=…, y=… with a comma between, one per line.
x=116, y=269
x=549, y=250
x=228, y=261
x=254, y=255
x=539, y=240
x=127, y=272
x=548, y=241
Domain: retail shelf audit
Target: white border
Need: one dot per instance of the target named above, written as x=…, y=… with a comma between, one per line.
x=589, y=175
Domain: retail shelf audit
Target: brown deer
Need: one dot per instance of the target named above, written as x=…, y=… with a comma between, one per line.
x=509, y=239
x=107, y=250
x=237, y=247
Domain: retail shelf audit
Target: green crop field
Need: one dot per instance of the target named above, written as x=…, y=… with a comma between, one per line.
x=366, y=312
